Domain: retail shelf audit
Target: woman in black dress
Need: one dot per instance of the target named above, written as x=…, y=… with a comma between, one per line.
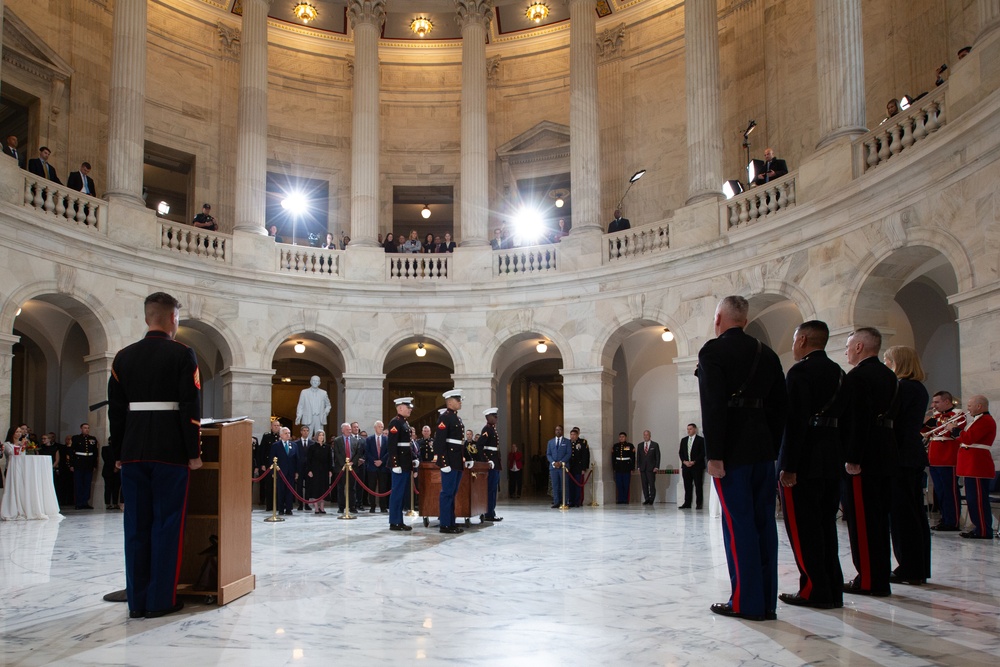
x=319, y=465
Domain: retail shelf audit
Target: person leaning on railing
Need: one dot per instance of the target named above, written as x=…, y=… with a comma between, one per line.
x=204, y=220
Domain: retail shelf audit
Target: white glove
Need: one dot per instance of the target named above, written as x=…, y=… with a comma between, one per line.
x=414, y=474
x=469, y=464
x=446, y=469
x=416, y=463
x=492, y=465
x=397, y=470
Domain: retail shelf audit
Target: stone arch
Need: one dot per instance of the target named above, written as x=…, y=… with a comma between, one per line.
x=219, y=333
x=97, y=322
x=293, y=329
x=524, y=331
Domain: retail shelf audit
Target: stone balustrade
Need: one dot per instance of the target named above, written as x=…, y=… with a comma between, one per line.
x=900, y=132
x=758, y=202
x=52, y=199
x=410, y=266
x=306, y=260
x=516, y=262
x=637, y=242
x=188, y=240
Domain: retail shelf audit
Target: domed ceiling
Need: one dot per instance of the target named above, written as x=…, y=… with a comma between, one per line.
x=510, y=19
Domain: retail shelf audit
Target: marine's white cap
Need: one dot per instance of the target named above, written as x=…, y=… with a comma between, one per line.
x=406, y=400
x=490, y=411
x=454, y=393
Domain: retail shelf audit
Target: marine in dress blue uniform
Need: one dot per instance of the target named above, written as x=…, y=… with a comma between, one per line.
x=579, y=461
x=402, y=462
x=450, y=451
x=154, y=397
x=489, y=445
x=622, y=463
x=85, y=450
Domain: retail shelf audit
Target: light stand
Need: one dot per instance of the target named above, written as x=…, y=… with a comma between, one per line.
x=746, y=137
x=635, y=177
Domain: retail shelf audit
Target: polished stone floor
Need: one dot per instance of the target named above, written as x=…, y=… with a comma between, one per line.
x=594, y=586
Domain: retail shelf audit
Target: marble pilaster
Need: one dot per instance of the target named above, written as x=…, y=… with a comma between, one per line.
x=98, y=372
x=362, y=401
x=840, y=68
x=126, y=102
x=587, y=404
x=612, y=76
x=251, y=123
x=584, y=129
x=978, y=319
x=989, y=16
x=704, y=125
x=474, y=17
x=7, y=342
x=480, y=393
x=366, y=18
x=247, y=391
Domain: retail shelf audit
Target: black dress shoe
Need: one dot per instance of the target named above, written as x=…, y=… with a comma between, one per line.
x=88, y=507
x=726, y=609
x=399, y=526
x=492, y=518
x=945, y=528
x=973, y=535
x=452, y=530
x=683, y=507
x=895, y=578
x=163, y=612
x=854, y=587
x=697, y=507
x=797, y=600
x=136, y=614
x=371, y=511
x=555, y=507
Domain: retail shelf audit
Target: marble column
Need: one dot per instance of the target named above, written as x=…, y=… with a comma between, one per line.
x=704, y=124
x=366, y=18
x=480, y=392
x=989, y=16
x=126, y=102
x=584, y=129
x=1, y=37
x=251, y=123
x=474, y=18
x=840, y=68
x=247, y=391
x=7, y=342
x=98, y=372
x=362, y=401
x=588, y=404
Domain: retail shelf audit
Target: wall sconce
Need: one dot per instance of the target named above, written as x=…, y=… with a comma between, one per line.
x=305, y=12
x=421, y=350
x=421, y=26
x=299, y=347
x=425, y=212
x=667, y=335
x=541, y=347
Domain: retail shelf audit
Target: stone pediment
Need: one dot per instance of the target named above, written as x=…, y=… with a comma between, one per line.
x=25, y=50
x=545, y=137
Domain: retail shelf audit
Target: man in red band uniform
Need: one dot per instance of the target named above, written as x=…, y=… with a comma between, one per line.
x=975, y=464
x=154, y=409
x=942, y=452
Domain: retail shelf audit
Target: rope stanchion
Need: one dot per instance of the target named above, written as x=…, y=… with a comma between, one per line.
x=564, y=507
x=413, y=489
x=307, y=501
x=348, y=466
x=593, y=489
x=274, y=518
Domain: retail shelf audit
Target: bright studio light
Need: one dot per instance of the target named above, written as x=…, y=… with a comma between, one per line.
x=295, y=203
x=529, y=224
x=667, y=335
x=163, y=208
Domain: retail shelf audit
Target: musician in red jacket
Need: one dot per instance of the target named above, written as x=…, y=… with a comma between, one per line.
x=975, y=464
x=942, y=453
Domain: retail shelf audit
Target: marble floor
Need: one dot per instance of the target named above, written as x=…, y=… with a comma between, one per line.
x=593, y=586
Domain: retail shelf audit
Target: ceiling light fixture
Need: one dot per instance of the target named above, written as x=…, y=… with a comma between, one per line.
x=667, y=335
x=425, y=213
x=541, y=347
x=421, y=350
x=299, y=347
x=305, y=12
x=559, y=195
x=537, y=12
x=421, y=26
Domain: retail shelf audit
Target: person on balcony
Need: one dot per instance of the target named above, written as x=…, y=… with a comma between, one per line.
x=204, y=220
x=619, y=224
x=10, y=148
x=81, y=182
x=39, y=166
x=412, y=244
x=773, y=168
x=390, y=243
x=447, y=245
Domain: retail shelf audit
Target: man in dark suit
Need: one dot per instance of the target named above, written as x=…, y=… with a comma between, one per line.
x=345, y=450
x=773, y=168
x=692, y=456
x=811, y=465
x=287, y=454
x=743, y=406
x=302, y=446
x=10, y=148
x=619, y=224
x=648, y=456
x=870, y=455
x=40, y=166
x=379, y=479
x=81, y=182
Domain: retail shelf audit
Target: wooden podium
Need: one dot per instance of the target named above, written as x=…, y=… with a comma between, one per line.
x=470, y=499
x=219, y=503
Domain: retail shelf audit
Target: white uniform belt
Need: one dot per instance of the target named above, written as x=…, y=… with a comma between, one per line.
x=154, y=406
x=491, y=449
x=942, y=439
x=83, y=453
x=403, y=444
x=455, y=442
x=986, y=447
x=622, y=458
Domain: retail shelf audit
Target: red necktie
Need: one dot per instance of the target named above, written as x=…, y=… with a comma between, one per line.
x=378, y=446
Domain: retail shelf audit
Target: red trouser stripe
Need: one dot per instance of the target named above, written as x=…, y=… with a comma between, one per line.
x=180, y=539
x=975, y=504
x=864, y=557
x=728, y=523
x=793, y=537
x=953, y=486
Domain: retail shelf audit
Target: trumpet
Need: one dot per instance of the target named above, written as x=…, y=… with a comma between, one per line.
x=941, y=429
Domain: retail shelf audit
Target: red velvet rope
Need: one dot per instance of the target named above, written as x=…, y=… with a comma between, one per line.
x=261, y=478
x=367, y=490
x=306, y=500
x=585, y=479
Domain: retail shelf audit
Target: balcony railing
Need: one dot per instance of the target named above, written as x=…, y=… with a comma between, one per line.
x=409, y=266
x=67, y=205
x=308, y=261
x=637, y=242
x=524, y=261
x=901, y=131
x=188, y=240
x=758, y=203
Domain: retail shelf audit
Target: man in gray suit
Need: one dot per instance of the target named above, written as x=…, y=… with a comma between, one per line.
x=648, y=462
x=341, y=444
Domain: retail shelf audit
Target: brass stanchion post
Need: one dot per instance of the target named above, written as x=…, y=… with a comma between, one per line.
x=347, y=492
x=412, y=511
x=593, y=488
x=562, y=469
x=274, y=518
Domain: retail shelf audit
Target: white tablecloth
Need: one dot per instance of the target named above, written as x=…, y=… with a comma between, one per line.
x=28, y=491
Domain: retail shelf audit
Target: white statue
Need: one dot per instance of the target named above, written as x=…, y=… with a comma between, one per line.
x=314, y=406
